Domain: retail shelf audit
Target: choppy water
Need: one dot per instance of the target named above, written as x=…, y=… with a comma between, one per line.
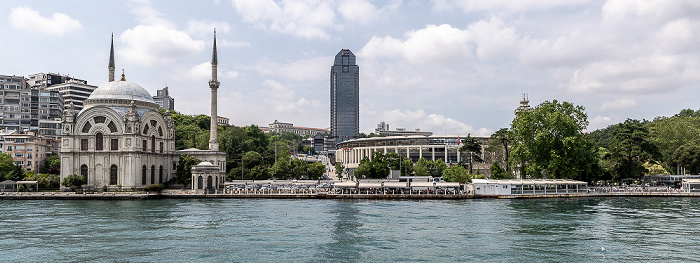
x=273, y=230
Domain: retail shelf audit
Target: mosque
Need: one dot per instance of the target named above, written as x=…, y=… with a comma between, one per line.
x=120, y=139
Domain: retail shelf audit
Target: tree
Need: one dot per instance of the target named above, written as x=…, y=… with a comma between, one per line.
x=630, y=147
x=426, y=167
x=501, y=138
x=7, y=165
x=184, y=169
x=316, y=170
x=402, y=163
x=456, y=174
x=688, y=157
x=377, y=167
x=549, y=142
x=473, y=147
x=74, y=181
x=339, y=169
x=281, y=169
x=52, y=164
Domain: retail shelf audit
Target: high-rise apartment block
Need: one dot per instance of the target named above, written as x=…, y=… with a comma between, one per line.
x=28, y=149
x=72, y=90
x=164, y=100
x=345, y=97
x=29, y=109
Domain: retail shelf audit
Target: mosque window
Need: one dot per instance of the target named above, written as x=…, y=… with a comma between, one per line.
x=83, y=144
x=143, y=175
x=99, y=142
x=145, y=129
x=84, y=172
x=160, y=174
x=113, y=175
x=114, y=144
x=153, y=174
x=160, y=132
x=112, y=127
x=144, y=146
x=153, y=143
x=100, y=119
x=87, y=127
x=153, y=123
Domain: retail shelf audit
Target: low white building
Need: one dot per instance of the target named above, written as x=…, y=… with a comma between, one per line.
x=486, y=187
x=691, y=185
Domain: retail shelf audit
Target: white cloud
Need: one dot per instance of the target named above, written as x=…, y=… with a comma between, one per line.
x=359, y=11
x=315, y=68
x=26, y=19
x=147, y=14
x=623, y=103
x=156, y=44
x=599, y=122
x=206, y=28
x=307, y=19
x=202, y=72
x=436, y=123
x=501, y=5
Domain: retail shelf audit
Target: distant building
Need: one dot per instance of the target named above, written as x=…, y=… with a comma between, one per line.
x=72, y=90
x=29, y=109
x=524, y=105
x=29, y=150
x=164, y=100
x=345, y=97
x=222, y=121
x=383, y=130
x=277, y=127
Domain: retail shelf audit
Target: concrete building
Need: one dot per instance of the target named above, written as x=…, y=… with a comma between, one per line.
x=28, y=149
x=535, y=187
x=445, y=147
x=72, y=90
x=164, y=100
x=383, y=130
x=27, y=109
x=278, y=127
x=345, y=97
x=222, y=121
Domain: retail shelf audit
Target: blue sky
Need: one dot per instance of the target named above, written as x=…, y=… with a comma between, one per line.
x=451, y=67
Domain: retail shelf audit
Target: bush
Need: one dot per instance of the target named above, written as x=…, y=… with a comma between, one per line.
x=73, y=181
x=156, y=188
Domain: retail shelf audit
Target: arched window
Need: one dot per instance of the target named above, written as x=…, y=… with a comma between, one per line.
x=153, y=143
x=200, y=182
x=209, y=183
x=99, y=142
x=84, y=172
x=143, y=175
x=113, y=175
x=153, y=174
x=160, y=175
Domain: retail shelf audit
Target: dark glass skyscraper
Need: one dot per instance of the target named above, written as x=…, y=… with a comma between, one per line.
x=345, y=97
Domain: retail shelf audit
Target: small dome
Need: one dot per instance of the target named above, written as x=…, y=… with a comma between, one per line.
x=119, y=93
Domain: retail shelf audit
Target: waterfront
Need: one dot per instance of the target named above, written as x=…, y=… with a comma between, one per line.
x=309, y=230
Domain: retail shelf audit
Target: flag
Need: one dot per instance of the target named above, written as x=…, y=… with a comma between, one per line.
x=457, y=139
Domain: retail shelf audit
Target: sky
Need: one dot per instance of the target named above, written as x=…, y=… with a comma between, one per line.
x=450, y=67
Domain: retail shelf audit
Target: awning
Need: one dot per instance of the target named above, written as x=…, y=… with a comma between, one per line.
x=346, y=184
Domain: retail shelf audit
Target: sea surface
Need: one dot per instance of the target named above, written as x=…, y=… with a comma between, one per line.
x=309, y=230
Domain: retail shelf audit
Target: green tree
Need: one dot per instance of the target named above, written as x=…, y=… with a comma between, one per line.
x=502, y=138
x=670, y=133
x=402, y=163
x=7, y=165
x=630, y=147
x=472, y=146
x=688, y=157
x=421, y=167
x=339, y=169
x=549, y=142
x=183, y=173
x=300, y=170
x=316, y=170
x=52, y=164
x=456, y=173
x=73, y=181
x=377, y=167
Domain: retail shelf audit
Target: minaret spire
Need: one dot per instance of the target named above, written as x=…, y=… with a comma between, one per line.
x=111, y=60
x=214, y=85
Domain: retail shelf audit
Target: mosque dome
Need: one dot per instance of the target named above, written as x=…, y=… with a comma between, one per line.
x=120, y=93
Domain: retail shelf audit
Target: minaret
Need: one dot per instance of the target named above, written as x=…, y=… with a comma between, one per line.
x=111, y=60
x=214, y=85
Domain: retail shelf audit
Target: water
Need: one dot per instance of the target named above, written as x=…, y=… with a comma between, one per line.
x=278, y=230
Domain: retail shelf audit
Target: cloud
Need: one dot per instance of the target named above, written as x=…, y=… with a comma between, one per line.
x=202, y=72
x=599, y=122
x=436, y=123
x=315, y=68
x=622, y=103
x=26, y=19
x=156, y=44
x=359, y=11
x=206, y=28
x=147, y=14
x=501, y=5
x=306, y=19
